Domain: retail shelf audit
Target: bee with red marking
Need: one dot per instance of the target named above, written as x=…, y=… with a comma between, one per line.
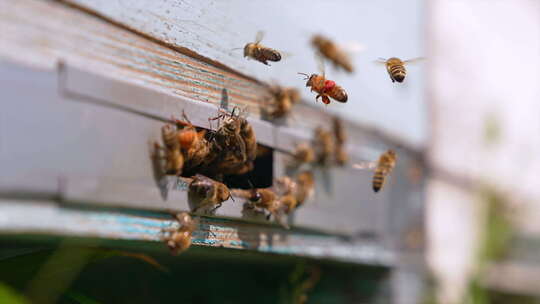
x=385, y=165
x=179, y=239
x=325, y=88
x=259, y=52
x=396, y=67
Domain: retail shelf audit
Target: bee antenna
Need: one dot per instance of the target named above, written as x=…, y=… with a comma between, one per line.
x=307, y=76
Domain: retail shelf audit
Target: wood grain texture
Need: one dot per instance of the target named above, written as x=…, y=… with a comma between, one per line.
x=42, y=217
x=95, y=120
x=44, y=32
x=213, y=29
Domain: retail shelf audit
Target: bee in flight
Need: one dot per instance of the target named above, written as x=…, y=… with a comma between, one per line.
x=396, y=67
x=325, y=88
x=332, y=52
x=385, y=165
x=259, y=52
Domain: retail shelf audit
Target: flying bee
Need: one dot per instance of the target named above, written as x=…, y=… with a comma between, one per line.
x=324, y=145
x=340, y=136
x=259, y=52
x=305, y=187
x=283, y=100
x=332, y=52
x=385, y=165
x=204, y=193
x=304, y=153
x=325, y=88
x=174, y=160
x=396, y=67
x=179, y=239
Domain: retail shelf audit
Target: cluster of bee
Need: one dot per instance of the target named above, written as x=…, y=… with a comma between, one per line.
x=206, y=156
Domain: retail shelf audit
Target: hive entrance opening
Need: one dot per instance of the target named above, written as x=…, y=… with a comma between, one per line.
x=260, y=177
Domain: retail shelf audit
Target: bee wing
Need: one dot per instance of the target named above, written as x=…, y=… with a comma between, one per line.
x=365, y=165
x=414, y=60
x=259, y=37
x=380, y=61
x=352, y=47
x=320, y=63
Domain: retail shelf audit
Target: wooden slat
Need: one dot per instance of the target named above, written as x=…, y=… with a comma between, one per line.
x=42, y=217
x=114, y=52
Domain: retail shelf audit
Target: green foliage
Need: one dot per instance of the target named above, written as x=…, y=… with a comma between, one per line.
x=10, y=296
x=80, y=298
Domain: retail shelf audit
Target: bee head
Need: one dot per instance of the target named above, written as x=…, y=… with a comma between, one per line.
x=255, y=196
x=392, y=153
x=223, y=193
x=309, y=78
x=248, y=49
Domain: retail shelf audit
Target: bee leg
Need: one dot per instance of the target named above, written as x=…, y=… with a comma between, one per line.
x=268, y=217
x=317, y=98
x=325, y=99
x=215, y=208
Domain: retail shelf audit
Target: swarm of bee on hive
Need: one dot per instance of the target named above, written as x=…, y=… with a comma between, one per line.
x=204, y=157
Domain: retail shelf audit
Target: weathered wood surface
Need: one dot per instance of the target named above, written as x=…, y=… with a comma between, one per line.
x=82, y=134
x=45, y=217
x=212, y=29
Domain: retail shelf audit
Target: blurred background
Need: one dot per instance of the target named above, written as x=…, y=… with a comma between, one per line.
x=470, y=110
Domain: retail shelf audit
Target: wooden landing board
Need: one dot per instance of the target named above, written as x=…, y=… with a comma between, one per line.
x=45, y=217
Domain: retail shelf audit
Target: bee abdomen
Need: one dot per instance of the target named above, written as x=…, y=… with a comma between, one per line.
x=398, y=72
x=271, y=54
x=378, y=180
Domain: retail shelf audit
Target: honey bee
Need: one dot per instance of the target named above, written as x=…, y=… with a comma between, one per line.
x=396, y=67
x=324, y=145
x=250, y=141
x=304, y=153
x=288, y=203
x=385, y=165
x=174, y=160
x=340, y=136
x=259, y=52
x=179, y=239
x=332, y=52
x=266, y=199
x=305, y=187
x=195, y=147
x=204, y=193
x=325, y=88
x=235, y=145
x=283, y=100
